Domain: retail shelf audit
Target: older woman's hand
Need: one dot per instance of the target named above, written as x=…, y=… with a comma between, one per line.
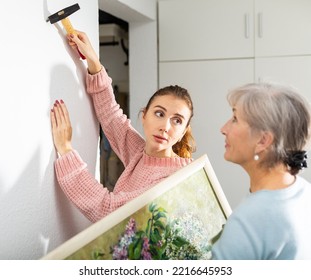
x=61, y=127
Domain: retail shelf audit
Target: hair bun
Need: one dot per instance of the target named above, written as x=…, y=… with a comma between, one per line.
x=297, y=159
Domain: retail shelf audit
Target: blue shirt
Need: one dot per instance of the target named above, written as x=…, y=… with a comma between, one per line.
x=269, y=224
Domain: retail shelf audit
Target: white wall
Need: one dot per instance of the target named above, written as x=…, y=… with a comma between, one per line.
x=37, y=67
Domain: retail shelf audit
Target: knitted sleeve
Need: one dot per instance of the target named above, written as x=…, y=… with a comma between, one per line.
x=80, y=186
x=123, y=138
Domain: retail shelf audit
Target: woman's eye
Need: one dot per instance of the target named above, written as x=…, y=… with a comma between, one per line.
x=159, y=113
x=177, y=121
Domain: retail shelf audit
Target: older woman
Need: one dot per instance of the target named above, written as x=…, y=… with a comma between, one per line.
x=267, y=136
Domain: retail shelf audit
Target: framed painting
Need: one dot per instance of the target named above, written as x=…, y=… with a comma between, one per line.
x=178, y=219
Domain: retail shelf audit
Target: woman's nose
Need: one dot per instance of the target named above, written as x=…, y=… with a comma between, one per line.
x=165, y=126
x=223, y=129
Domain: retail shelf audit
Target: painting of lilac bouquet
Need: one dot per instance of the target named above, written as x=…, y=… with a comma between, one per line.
x=163, y=239
x=178, y=221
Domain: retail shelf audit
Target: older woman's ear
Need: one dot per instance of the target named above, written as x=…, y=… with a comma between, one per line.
x=266, y=139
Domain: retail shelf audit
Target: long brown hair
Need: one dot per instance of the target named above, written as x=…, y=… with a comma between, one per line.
x=186, y=146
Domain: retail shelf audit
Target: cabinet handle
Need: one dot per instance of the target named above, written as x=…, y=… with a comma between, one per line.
x=246, y=26
x=260, y=28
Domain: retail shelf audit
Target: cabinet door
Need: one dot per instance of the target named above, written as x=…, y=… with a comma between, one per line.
x=208, y=83
x=205, y=29
x=294, y=71
x=282, y=27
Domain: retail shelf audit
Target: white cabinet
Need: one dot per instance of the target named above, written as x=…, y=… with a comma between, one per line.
x=295, y=71
x=282, y=27
x=204, y=29
x=212, y=29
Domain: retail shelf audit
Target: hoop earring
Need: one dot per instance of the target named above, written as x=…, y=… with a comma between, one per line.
x=256, y=157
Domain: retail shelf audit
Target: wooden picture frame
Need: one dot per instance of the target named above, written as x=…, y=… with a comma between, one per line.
x=178, y=218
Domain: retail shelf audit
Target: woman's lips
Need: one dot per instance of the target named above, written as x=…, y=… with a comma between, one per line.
x=159, y=138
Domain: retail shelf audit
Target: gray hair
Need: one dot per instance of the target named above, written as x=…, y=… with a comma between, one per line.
x=280, y=110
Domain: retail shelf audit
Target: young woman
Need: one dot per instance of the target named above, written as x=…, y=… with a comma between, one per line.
x=167, y=146
x=268, y=136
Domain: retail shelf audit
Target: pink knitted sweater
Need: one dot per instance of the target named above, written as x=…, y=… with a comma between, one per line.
x=141, y=171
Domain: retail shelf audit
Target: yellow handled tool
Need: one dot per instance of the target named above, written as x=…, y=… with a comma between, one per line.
x=62, y=16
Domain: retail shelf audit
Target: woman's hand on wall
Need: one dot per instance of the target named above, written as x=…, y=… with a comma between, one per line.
x=83, y=44
x=61, y=127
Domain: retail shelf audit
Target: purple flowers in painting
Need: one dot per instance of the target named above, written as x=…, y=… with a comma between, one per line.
x=162, y=239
